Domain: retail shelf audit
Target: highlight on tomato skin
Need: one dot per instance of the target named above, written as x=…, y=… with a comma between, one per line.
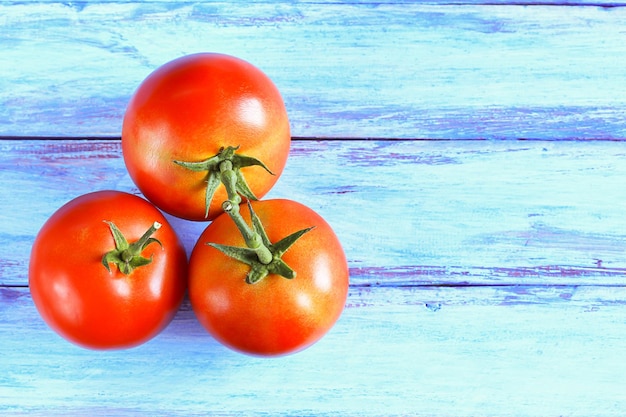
x=187, y=111
x=105, y=307
x=275, y=316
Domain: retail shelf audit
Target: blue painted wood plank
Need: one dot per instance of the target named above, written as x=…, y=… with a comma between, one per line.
x=487, y=276
x=80, y=5
x=407, y=212
x=407, y=70
x=523, y=352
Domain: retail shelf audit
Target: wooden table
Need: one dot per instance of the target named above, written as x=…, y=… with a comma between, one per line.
x=470, y=157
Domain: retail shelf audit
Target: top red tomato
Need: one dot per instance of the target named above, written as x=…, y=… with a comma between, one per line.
x=190, y=108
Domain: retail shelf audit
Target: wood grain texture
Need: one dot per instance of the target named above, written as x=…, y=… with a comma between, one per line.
x=488, y=277
x=80, y=5
x=346, y=69
x=510, y=351
x=407, y=212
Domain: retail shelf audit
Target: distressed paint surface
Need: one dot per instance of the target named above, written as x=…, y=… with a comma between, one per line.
x=475, y=289
x=487, y=277
x=409, y=70
x=395, y=351
x=453, y=212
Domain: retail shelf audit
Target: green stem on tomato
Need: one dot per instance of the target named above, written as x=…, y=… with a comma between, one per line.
x=213, y=167
x=231, y=206
x=249, y=256
x=260, y=254
x=127, y=256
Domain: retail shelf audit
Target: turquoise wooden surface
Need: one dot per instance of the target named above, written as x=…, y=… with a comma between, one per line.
x=487, y=276
x=346, y=69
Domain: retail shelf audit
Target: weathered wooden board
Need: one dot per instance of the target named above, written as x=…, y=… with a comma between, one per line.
x=488, y=278
x=346, y=69
x=407, y=212
x=80, y=5
x=531, y=351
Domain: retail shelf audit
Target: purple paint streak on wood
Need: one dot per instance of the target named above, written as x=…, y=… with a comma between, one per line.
x=459, y=212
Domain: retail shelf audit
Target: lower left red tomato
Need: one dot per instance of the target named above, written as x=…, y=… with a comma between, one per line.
x=108, y=271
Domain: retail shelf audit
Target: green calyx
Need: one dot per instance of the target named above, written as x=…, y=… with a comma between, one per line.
x=262, y=266
x=214, y=175
x=127, y=256
x=263, y=256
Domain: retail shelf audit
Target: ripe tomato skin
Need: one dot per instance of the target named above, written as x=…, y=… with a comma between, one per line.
x=189, y=108
x=88, y=305
x=275, y=316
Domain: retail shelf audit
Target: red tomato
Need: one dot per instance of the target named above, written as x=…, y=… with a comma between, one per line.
x=274, y=316
x=85, y=303
x=190, y=108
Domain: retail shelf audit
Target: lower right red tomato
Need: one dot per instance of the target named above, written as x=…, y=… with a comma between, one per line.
x=274, y=316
